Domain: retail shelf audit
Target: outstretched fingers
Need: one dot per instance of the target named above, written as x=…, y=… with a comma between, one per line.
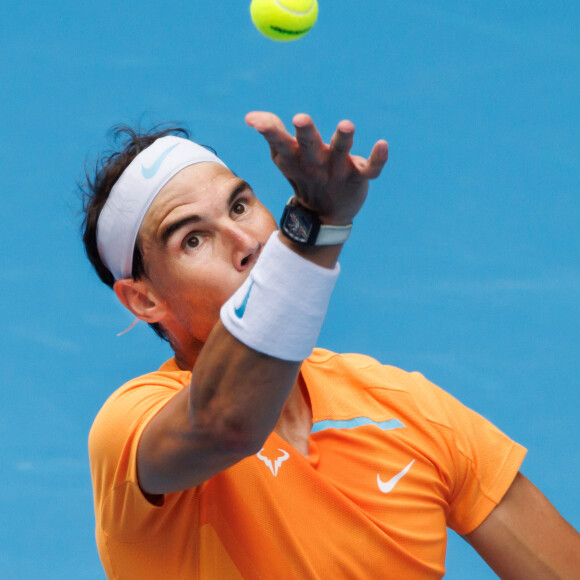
x=372, y=167
x=307, y=148
x=274, y=131
x=340, y=147
x=341, y=144
x=308, y=138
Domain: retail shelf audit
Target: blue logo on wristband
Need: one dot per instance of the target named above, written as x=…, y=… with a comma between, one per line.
x=242, y=307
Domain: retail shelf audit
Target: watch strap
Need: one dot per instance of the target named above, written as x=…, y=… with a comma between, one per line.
x=332, y=235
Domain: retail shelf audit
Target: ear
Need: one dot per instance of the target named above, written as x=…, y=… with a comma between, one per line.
x=136, y=296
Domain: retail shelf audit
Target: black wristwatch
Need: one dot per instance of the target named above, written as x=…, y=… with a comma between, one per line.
x=304, y=227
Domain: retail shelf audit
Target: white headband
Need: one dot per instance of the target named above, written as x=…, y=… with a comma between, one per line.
x=133, y=193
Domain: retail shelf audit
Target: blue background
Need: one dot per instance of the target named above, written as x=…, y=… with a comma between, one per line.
x=464, y=264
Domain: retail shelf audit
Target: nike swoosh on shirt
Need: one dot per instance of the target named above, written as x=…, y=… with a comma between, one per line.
x=242, y=307
x=387, y=486
x=149, y=172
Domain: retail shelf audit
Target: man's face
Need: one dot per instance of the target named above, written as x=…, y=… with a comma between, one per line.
x=200, y=238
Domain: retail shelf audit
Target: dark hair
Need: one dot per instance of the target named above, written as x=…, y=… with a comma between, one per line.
x=99, y=181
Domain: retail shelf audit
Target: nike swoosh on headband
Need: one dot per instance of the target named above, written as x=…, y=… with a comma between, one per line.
x=242, y=307
x=149, y=172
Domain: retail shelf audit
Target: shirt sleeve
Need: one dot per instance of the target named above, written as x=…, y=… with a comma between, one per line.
x=121, y=509
x=482, y=460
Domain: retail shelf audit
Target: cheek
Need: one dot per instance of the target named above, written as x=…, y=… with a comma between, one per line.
x=270, y=223
x=203, y=288
x=263, y=221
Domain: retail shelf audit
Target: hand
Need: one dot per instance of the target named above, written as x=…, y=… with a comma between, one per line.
x=326, y=178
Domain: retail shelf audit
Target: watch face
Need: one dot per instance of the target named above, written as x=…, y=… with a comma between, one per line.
x=298, y=226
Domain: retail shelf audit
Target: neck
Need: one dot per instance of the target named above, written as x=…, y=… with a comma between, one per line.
x=186, y=344
x=186, y=357
x=295, y=421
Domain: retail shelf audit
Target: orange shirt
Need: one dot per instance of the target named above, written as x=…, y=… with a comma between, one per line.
x=393, y=461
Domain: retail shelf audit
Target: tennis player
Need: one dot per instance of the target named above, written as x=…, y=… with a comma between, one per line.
x=251, y=453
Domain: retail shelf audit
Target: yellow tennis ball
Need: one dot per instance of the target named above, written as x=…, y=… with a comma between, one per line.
x=284, y=19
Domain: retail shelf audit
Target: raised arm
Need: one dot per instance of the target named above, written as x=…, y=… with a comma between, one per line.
x=236, y=393
x=525, y=537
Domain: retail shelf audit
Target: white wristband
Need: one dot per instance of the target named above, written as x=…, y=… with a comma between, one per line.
x=280, y=308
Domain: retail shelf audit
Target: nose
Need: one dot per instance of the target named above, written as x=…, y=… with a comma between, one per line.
x=246, y=247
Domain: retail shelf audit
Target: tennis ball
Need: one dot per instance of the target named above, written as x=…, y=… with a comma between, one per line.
x=284, y=19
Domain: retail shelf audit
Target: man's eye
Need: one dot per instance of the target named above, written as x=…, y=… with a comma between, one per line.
x=239, y=207
x=193, y=241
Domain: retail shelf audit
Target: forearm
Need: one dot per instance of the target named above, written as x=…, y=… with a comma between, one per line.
x=325, y=256
x=230, y=407
x=237, y=393
x=525, y=537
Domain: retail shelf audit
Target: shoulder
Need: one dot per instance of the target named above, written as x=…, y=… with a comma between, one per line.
x=354, y=384
x=363, y=367
x=364, y=373
x=129, y=409
x=140, y=393
x=419, y=399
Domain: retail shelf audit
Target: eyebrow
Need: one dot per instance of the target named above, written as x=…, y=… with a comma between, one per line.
x=175, y=226
x=193, y=219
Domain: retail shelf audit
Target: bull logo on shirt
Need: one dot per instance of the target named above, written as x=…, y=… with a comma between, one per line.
x=274, y=466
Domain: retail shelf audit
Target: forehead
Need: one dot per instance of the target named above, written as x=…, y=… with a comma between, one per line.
x=193, y=190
